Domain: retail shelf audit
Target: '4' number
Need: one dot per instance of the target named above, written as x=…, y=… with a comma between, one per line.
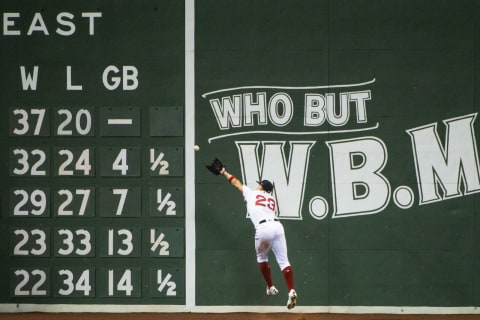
x=120, y=162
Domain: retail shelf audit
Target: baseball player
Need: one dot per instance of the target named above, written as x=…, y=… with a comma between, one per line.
x=269, y=232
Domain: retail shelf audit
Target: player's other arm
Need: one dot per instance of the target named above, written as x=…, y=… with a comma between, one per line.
x=232, y=179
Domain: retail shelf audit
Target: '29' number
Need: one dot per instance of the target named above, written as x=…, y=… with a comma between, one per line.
x=263, y=201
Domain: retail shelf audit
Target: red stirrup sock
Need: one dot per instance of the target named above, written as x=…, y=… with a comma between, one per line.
x=288, y=275
x=265, y=269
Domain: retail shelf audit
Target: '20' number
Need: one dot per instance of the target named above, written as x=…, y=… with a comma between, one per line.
x=265, y=202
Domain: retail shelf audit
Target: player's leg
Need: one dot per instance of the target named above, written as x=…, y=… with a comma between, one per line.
x=265, y=270
x=279, y=248
x=262, y=247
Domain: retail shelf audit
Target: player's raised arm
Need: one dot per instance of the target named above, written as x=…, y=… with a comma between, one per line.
x=217, y=168
x=233, y=180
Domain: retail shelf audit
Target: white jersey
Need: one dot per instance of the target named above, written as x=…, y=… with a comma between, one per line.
x=260, y=205
x=269, y=232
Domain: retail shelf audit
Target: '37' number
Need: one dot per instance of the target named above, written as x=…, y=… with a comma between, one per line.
x=265, y=202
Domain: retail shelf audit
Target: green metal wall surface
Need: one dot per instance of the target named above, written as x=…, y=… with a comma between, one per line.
x=363, y=113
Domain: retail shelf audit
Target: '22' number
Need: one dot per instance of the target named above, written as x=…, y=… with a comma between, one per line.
x=265, y=202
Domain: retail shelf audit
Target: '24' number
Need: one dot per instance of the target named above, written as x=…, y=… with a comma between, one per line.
x=265, y=202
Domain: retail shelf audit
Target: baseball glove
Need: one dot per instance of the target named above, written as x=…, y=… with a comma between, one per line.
x=216, y=166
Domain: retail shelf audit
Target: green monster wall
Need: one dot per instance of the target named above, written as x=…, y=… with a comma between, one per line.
x=363, y=113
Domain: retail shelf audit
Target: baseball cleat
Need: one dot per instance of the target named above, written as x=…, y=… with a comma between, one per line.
x=292, y=299
x=271, y=291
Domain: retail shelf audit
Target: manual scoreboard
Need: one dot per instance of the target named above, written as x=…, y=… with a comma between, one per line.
x=92, y=183
x=95, y=216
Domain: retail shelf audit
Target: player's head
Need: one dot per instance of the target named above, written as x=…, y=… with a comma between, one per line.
x=265, y=185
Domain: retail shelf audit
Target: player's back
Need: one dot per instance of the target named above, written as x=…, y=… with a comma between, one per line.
x=260, y=205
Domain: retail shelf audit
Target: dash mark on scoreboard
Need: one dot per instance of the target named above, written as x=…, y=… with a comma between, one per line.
x=117, y=121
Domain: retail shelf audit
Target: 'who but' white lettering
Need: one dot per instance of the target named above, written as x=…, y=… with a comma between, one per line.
x=446, y=168
x=230, y=111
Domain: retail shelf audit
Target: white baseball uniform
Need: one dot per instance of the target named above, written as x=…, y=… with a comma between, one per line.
x=269, y=232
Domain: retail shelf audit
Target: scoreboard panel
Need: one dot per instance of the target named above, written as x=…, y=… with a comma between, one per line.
x=68, y=202
x=92, y=190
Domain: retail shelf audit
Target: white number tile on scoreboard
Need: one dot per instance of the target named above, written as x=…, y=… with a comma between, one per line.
x=29, y=161
x=166, y=201
x=120, y=202
x=74, y=162
x=166, y=242
x=29, y=202
x=120, y=161
x=120, y=242
x=74, y=242
x=74, y=122
x=74, y=202
x=25, y=282
x=165, y=281
x=74, y=281
x=30, y=241
x=120, y=282
x=29, y=122
x=120, y=121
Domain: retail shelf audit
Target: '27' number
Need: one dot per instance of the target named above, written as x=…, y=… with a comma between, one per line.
x=265, y=202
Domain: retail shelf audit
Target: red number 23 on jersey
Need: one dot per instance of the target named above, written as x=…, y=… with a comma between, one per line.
x=265, y=202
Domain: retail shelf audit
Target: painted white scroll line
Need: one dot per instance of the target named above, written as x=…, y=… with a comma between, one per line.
x=291, y=88
x=291, y=133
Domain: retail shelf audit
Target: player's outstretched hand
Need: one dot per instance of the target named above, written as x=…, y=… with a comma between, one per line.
x=216, y=167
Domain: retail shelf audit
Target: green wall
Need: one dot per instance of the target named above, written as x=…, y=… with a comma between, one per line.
x=363, y=114
x=378, y=208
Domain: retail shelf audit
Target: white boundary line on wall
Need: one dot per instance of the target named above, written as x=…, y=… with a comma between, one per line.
x=190, y=244
x=17, y=308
